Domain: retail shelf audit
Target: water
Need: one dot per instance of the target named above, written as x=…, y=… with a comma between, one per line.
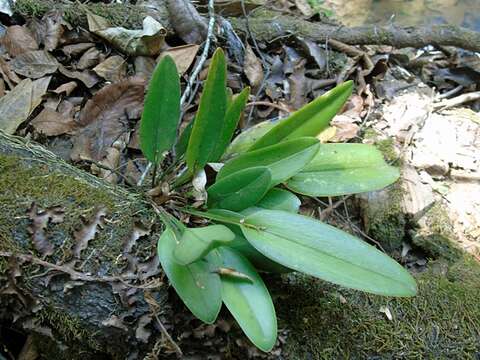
x=407, y=12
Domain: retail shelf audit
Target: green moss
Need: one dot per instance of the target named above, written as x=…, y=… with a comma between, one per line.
x=436, y=233
x=441, y=322
x=117, y=14
x=386, y=221
x=25, y=184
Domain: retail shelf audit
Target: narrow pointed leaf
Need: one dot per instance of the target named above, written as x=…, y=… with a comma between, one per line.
x=283, y=160
x=232, y=116
x=161, y=114
x=240, y=190
x=208, y=125
x=310, y=120
x=249, y=302
x=279, y=199
x=310, y=246
x=341, y=169
x=196, y=284
x=248, y=137
x=197, y=243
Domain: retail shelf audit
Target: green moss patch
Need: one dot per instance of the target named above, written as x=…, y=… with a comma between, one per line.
x=441, y=322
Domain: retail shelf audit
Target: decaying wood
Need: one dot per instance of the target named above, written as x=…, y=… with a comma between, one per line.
x=268, y=26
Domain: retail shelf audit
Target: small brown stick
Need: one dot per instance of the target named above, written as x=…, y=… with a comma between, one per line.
x=267, y=103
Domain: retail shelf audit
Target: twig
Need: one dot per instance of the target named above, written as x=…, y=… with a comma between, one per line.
x=461, y=99
x=203, y=57
x=267, y=103
x=450, y=93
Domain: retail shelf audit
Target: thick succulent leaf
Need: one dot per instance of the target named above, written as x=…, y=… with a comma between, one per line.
x=283, y=160
x=310, y=246
x=198, y=242
x=240, y=190
x=310, y=120
x=340, y=169
x=197, y=284
x=208, y=125
x=248, y=137
x=249, y=301
x=279, y=199
x=161, y=113
x=232, y=116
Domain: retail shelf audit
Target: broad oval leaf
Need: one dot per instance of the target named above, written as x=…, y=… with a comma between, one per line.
x=196, y=284
x=232, y=116
x=198, y=242
x=161, y=113
x=283, y=160
x=310, y=120
x=310, y=246
x=341, y=169
x=279, y=199
x=249, y=301
x=208, y=125
x=248, y=137
x=240, y=190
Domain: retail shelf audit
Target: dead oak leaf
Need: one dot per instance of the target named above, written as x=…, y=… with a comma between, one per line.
x=87, y=232
x=40, y=219
x=183, y=56
x=19, y=39
x=34, y=64
x=19, y=103
x=112, y=69
x=89, y=59
x=88, y=77
x=104, y=119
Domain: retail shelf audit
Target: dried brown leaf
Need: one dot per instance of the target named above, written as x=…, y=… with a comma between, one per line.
x=66, y=88
x=76, y=49
x=89, y=59
x=34, y=64
x=345, y=126
x=147, y=41
x=40, y=219
x=112, y=69
x=19, y=103
x=53, y=29
x=88, y=77
x=8, y=74
x=53, y=123
x=182, y=55
x=105, y=117
x=304, y=7
x=139, y=230
x=252, y=67
x=132, y=174
x=144, y=67
x=186, y=21
x=87, y=232
x=19, y=39
x=298, y=85
x=115, y=321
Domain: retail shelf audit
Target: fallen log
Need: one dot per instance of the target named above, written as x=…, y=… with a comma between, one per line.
x=267, y=25
x=69, y=293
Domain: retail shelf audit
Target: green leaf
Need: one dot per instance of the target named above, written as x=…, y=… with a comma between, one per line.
x=240, y=190
x=182, y=143
x=249, y=302
x=232, y=116
x=283, y=160
x=248, y=137
x=340, y=169
x=196, y=284
x=208, y=125
x=310, y=246
x=310, y=120
x=279, y=199
x=198, y=242
x=161, y=114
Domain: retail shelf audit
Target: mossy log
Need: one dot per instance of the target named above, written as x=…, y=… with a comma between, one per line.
x=266, y=25
x=103, y=304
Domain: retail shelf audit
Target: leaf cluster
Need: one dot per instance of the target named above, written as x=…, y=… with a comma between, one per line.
x=251, y=203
